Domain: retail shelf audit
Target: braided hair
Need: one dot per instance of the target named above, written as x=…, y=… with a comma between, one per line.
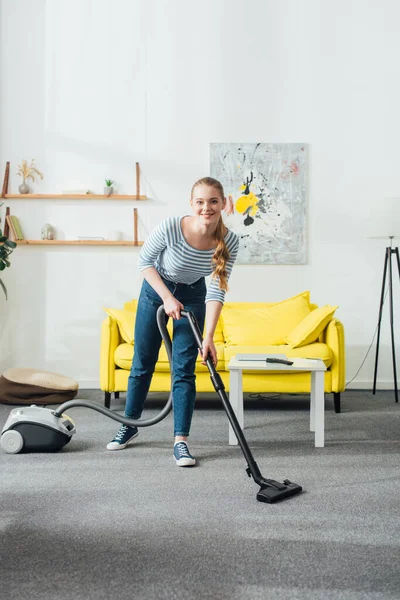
x=221, y=254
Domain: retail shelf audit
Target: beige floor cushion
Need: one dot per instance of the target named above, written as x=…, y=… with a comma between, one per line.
x=31, y=386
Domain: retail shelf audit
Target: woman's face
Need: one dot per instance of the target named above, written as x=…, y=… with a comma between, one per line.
x=207, y=203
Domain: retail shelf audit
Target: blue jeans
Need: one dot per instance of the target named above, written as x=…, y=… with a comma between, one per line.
x=184, y=351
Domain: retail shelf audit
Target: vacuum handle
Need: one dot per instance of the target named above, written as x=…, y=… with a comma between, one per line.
x=189, y=315
x=194, y=325
x=197, y=334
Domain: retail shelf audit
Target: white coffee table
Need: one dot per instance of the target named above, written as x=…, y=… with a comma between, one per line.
x=317, y=404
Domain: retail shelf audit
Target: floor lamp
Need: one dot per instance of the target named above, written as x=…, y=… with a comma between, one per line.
x=388, y=268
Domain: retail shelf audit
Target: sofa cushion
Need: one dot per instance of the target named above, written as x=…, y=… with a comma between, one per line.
x=256, y=323
x=218, y=335
x=123, y=356
x=310, y=328
x=163, y=364
x=124, y=353
x=316, y=350
x=131, y=305
x=125, y=320
x=126, y=317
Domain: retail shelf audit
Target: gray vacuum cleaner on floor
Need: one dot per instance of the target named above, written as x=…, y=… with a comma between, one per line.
x=37, y=429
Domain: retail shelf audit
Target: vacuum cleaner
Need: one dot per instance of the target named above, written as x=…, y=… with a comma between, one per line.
x=38, y=429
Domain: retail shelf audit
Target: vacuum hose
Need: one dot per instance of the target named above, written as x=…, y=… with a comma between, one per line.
x=162, y=325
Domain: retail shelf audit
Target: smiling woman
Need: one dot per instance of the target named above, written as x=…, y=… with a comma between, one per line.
x=208, y=201
x=175, y=260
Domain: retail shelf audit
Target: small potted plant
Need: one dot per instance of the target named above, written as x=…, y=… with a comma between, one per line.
x=27, y=172
x=109, y=190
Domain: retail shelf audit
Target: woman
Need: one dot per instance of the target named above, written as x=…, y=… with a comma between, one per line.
x=174, y=260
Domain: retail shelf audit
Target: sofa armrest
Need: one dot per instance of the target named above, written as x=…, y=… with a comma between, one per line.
x=109, y=341
x=334, y=338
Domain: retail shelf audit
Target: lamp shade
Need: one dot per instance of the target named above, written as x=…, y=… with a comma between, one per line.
x=384, y=219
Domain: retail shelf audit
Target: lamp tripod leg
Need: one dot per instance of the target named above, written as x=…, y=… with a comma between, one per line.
x=396, y=394
x=387, y=253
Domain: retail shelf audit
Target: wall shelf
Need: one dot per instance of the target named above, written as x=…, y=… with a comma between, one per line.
x=74, y=197
x=77, y=243
x=8, y=228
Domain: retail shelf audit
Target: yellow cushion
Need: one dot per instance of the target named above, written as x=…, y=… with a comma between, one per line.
x=163, y=364
x=247, y=324
x=125, y=321
x=218, y=334
x=310, y=327
x=131, y=305
x=124, y=353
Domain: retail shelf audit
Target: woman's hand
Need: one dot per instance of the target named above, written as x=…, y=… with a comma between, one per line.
x=173, y=308
x=209, y=348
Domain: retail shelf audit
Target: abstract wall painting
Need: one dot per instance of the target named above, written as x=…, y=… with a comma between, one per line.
x=267, y=183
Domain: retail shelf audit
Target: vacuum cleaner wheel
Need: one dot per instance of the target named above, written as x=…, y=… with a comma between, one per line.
x=12, y=441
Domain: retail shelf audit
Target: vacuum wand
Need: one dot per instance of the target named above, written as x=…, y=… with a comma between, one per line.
x=271, y=490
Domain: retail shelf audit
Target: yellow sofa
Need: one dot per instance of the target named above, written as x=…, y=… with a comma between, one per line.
x=294, y=327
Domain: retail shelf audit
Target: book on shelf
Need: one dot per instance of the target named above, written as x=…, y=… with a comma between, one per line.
x=12, y=234
x=17, y=227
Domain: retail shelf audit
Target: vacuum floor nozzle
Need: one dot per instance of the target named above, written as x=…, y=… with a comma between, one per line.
x=275, y=492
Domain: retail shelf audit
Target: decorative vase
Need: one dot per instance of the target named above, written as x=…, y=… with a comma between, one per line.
x=23, y=188
x=48, y=232
x=108, y=190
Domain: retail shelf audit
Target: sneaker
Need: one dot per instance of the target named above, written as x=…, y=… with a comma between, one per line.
x=182, y=456
x=124, y=436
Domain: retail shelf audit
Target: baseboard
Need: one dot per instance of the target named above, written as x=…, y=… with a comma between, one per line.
x=368, y=385
x=87, y=384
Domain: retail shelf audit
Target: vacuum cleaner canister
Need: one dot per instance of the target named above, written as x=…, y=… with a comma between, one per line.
x=35, y=429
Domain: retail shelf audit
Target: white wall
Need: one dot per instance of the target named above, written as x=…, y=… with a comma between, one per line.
x=89, y=88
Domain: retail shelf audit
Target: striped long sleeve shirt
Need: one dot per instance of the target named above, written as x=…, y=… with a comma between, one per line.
x=167, y=250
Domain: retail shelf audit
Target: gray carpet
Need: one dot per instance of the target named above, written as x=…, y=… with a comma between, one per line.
x=88, y=523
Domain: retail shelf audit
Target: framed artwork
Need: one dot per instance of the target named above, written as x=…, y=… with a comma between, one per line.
x=267, y=210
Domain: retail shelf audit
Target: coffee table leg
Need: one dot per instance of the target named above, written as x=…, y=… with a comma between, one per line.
x=318, y=407
x=236, y=401
x=312, y=403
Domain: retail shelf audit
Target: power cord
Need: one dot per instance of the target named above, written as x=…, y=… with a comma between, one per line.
x=263, y=397
x=370, y=346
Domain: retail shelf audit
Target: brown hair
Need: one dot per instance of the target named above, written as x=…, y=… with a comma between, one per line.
x=221, y=254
